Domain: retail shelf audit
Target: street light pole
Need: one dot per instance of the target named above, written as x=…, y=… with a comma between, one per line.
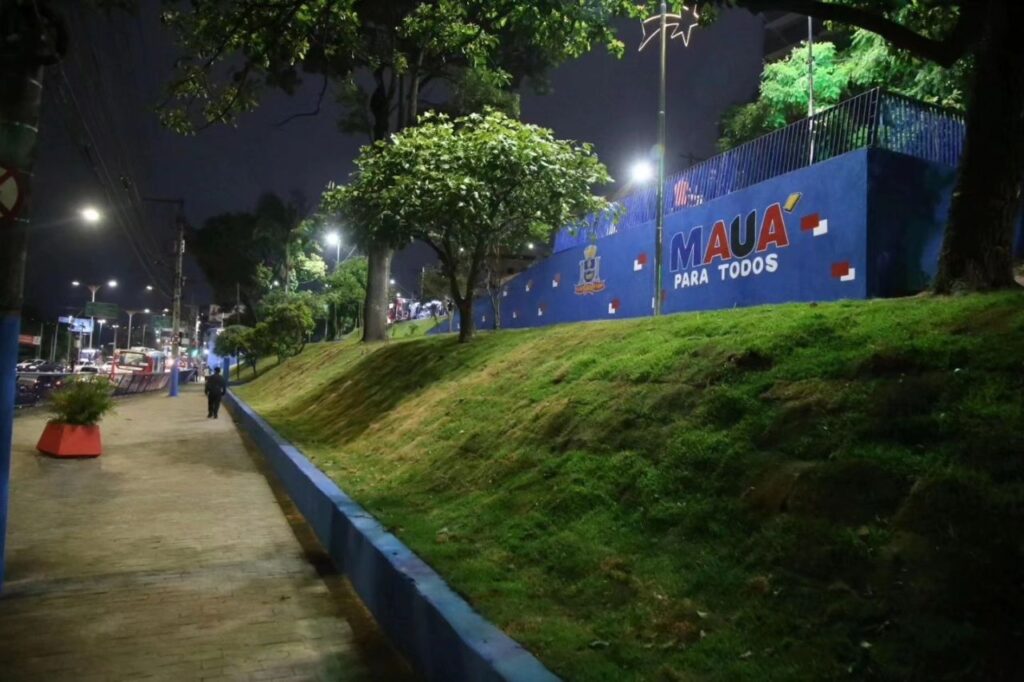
x=660, y=227
x=681, y=27
x=131, y=314
x=92, y=320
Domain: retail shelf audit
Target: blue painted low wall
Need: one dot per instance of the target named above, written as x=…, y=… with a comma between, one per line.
x=439, y=633
x=868, y=223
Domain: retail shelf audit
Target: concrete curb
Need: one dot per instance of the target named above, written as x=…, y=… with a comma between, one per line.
x=440, y=634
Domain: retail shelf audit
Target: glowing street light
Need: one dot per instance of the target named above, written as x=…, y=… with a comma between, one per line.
x=90, y=215
x=112, y=283
x=149, y=287
x=75, y=283
x=333, y=238
x=642, y=172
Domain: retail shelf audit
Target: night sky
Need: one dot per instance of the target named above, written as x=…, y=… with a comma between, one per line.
x=101, y=144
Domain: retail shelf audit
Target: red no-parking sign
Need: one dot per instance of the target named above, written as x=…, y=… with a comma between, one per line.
x=10, y=195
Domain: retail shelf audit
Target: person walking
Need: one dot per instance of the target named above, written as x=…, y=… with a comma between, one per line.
x=215, y=389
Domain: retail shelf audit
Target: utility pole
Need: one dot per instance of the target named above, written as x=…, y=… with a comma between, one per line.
x=179, y=249
x=179, y=256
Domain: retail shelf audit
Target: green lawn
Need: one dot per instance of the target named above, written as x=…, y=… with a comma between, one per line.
x=798, y=492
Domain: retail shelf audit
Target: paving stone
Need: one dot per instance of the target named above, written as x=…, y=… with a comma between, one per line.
x=172, y=556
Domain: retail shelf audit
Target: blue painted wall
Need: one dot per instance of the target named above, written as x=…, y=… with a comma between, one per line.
x=865, y=224
x=798, y=237
x=908, y=203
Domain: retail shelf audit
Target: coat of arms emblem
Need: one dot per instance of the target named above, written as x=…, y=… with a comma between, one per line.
x=590, y=281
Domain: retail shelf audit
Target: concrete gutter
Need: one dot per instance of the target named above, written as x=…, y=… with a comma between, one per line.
x=440, y=634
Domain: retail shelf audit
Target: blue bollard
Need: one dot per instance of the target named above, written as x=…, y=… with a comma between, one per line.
x=173, y=392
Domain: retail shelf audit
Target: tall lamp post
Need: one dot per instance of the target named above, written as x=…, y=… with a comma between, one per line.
x=93, y=288
x=334, y=239
x=131, y=314
x=658, y=25
x=101, y=322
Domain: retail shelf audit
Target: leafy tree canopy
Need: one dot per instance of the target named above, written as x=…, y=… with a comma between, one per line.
x=378, y=55
x=247, y=252
x=284, y=327
x=467, y=186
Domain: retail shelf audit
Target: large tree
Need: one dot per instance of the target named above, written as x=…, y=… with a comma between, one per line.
x=243, y=253
x=467, y=187
x=378, y=57
x=977, y=249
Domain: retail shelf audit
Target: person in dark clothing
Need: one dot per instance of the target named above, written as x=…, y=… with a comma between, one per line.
x=216, y=387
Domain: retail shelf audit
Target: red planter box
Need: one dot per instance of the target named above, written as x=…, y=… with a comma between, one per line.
x=67, y=440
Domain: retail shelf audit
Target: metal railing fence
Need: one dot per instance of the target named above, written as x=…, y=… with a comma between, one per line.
x=875, y=118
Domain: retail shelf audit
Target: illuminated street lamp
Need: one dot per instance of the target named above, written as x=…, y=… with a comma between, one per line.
x=333, y=238
x=642, y=172
x=91, y=215
x=658, y=25
x=93, y=288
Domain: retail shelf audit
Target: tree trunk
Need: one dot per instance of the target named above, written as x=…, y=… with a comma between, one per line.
x=467, y=325
x=375, y=313
x=977, y=251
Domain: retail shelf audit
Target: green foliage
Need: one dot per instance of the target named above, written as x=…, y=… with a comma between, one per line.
x=872, y=62
x=284, y=327
x=346, y=289
x=82, y=402
x=467, y=187
x=233, y=341
x=785, y=492
x=232, y=52
x=783, y=96
x=238, y=341
x=244, y=253
x=866, y=61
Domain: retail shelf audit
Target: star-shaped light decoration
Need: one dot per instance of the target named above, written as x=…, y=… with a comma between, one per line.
x=682, y=26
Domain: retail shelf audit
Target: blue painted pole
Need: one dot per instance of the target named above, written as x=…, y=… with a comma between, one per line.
x=226, y=369
x=9, y=328
x=173, y=390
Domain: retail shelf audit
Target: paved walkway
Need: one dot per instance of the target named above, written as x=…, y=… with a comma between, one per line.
x=171, y=558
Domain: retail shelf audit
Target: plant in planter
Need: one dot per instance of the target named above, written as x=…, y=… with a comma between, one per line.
x=77, y=409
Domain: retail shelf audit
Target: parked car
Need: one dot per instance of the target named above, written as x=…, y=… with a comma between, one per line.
x=25, y=394
x=29, y=365
x=58, y=367
x=43, y=384
x=87, y=368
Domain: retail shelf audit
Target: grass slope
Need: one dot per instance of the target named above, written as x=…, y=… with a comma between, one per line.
x=780, y=493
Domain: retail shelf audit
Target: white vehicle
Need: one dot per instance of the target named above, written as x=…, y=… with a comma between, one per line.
x=87, y=368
